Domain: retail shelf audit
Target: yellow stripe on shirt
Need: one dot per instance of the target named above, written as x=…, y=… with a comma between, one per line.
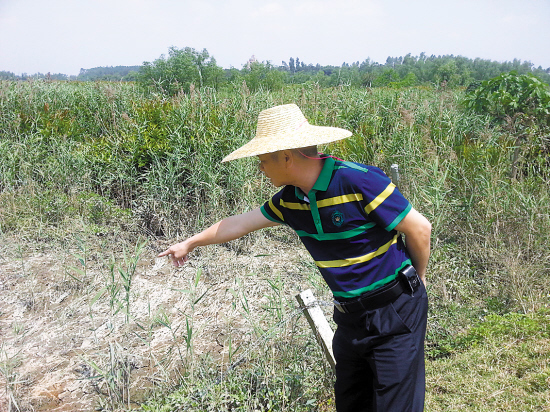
x=380, y=198
x=337, y=200
x=275, y=210
x=360, y=259
x=294, y=206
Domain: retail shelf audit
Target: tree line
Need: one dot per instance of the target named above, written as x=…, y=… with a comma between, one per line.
x=184, y=67
x=108, y=73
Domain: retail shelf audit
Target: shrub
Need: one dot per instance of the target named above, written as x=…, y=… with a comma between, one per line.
x=510, y=95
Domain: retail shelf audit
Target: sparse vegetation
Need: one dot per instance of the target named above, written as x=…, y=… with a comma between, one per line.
x=87, y=169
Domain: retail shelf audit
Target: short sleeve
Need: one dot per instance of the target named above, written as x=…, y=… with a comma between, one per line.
x=271, y=211
x=383, y=202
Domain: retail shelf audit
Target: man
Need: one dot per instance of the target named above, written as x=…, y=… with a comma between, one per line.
x=349, y=217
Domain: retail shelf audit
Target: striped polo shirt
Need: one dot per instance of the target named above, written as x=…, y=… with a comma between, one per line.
x=347, y=223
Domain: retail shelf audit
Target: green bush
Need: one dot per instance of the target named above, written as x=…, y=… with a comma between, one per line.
x=510, y=95
x=520, y=104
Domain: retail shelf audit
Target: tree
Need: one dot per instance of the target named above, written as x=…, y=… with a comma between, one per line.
x=448, y=74
x=4, y=75
x=388, y=76
x=275, y=79
x=182, y=68
x=407, y=81
x=264, y=76
x=110, y=73
x=367, y=79
x=255, y=76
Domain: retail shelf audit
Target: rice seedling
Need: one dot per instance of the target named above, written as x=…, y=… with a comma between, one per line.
x=8, y=365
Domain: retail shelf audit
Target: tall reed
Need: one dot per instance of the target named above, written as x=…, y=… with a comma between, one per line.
x=160, y=158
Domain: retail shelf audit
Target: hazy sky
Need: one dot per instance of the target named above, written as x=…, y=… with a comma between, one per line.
x=62, y=36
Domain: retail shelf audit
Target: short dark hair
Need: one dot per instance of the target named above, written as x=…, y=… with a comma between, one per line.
x=310, y=151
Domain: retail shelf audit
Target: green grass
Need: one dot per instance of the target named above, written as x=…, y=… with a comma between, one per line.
x=96, y=159
x=500, y=364
x=285, y=373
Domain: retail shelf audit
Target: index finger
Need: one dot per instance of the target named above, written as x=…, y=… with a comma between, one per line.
x=166, y=252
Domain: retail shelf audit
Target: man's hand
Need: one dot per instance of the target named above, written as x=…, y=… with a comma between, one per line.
x=228, y=229
x=178, y=253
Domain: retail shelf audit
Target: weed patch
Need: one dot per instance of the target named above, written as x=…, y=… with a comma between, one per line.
x=500, y=364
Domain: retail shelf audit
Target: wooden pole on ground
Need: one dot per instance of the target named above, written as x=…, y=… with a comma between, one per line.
x=319, y=324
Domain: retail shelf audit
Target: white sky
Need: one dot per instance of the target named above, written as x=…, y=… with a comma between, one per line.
x=62, y=36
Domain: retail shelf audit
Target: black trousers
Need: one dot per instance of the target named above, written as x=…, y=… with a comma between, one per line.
x=380, y=356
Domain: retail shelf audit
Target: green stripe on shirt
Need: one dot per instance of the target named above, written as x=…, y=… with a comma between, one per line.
x=268, y=216
x=339, y=235
x=375, y=285
x=399, y=218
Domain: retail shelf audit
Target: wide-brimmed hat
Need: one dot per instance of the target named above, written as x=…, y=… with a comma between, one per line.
x=285, y=127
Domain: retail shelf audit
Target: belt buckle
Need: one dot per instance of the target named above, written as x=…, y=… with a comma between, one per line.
x=339, y=306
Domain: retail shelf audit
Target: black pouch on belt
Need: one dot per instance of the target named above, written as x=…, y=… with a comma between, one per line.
x=409, y=278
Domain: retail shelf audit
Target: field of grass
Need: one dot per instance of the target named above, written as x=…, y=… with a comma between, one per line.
x=97, y=178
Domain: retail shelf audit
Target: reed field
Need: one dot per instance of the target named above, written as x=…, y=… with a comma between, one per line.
x=97, y=178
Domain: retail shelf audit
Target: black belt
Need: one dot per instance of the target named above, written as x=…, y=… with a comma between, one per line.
x=407, y=280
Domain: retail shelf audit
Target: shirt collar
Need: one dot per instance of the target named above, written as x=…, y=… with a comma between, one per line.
x=326, y=174
x=322, y=182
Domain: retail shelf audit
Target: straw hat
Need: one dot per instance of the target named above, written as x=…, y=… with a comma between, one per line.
x=285, y=127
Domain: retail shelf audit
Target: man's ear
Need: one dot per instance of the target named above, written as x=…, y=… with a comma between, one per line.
x=288, y=157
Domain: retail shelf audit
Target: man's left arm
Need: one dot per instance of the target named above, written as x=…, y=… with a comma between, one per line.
x=417, y=230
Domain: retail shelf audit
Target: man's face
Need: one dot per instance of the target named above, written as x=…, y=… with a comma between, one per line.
x=272, y=166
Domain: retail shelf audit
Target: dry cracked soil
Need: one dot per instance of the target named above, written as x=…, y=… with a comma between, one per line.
x=64, y=330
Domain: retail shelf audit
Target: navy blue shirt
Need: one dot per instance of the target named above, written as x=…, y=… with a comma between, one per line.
x=347, y=223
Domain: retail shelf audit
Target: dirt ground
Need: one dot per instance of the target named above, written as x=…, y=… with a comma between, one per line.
x=59, y=328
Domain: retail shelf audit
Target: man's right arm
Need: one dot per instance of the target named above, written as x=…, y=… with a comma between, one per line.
x=225, y=230
x=417, y=230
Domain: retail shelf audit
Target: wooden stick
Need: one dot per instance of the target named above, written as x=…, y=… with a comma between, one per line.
x=319, y=324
